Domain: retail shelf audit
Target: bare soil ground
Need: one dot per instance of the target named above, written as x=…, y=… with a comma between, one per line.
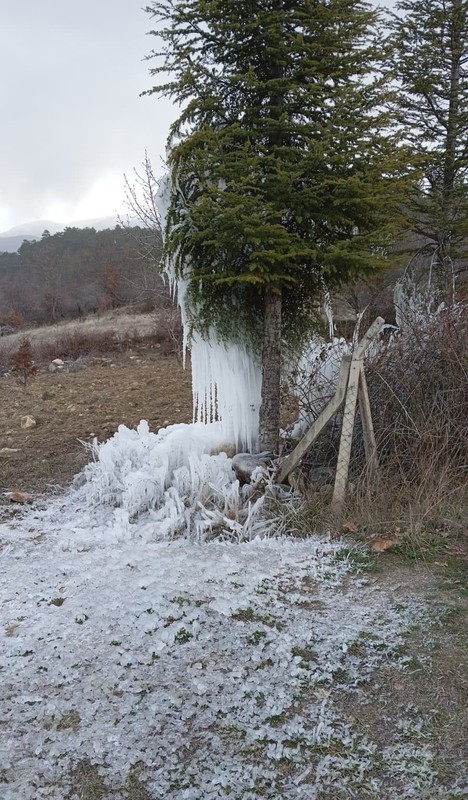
x=74, y=407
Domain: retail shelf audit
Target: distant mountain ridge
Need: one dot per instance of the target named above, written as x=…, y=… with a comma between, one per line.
x=13, y=238
x=10, y=244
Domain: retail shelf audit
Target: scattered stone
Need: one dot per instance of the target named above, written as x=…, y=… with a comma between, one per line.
x=6, y=451
x=28, y=422
x=75, y=366
x=245, y=464
x=57, y=365
x=20, y=497
x=101, y=361
x=267, y=456
x=228, y=449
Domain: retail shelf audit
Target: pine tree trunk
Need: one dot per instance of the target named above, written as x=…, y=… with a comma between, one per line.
x=271, y=372
x=445, y=237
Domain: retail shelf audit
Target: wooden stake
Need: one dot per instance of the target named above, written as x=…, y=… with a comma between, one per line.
x=342, y=468
x=322, y=420
x=349, y=382
x=364, y=343
x=370, y=445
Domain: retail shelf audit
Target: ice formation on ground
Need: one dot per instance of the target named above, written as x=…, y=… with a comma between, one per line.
x=173, y=479
x=205, y=671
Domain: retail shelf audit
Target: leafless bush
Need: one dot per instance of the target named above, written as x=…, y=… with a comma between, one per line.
x=418, y=387
x=77, y=344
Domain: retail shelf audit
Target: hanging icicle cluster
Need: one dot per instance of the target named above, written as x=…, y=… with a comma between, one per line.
x=226, y=378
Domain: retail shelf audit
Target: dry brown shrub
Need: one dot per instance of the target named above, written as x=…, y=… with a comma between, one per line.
x=78, y=344
x=418, y=387
x=22, y=364
x=14, y=319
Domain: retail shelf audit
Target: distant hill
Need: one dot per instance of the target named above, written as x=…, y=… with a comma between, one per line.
x=34, y=228
x=13, y=238
x=78, y=271
x=10, y=244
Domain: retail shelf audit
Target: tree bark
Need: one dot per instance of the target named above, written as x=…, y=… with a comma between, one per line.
x=271, y=371
x=445, y=236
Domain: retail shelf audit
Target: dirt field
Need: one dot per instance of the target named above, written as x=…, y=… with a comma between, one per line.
x=72, y=407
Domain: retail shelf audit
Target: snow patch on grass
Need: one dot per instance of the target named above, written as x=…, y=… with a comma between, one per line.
x=212, y=667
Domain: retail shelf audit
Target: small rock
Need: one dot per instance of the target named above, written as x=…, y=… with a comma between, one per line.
x=58, y=362
x=28, y=422
x=75, y=366
x=53, y=368
x=267, y=456
x=245, y=464
x=228, y=449
x=6, y=451
x=20, y=497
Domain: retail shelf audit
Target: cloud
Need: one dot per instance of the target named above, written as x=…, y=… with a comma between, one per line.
x=72, y=117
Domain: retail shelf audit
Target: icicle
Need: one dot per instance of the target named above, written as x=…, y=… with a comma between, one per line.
x=226, y=379
x=328, y=311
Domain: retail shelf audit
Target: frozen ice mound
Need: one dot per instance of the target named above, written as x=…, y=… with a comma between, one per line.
x=173, y=478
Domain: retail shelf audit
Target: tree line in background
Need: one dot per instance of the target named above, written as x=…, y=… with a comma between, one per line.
x=80, y=271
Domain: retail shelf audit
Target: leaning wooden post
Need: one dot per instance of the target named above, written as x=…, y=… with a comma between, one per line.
x=344, y=453
x=349, y=414
x=370, y=445
x=322, y=420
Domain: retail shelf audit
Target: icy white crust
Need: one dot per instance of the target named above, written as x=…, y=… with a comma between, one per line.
x=172, y=477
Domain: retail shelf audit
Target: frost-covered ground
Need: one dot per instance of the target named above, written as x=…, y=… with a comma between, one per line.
x=209, y=669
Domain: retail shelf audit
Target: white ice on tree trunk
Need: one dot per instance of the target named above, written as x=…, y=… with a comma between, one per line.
x=226, y=379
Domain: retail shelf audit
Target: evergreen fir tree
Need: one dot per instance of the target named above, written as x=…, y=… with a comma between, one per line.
x=286, y=175
x=430, y=63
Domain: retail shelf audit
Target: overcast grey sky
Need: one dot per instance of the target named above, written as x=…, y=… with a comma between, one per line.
x=72, y=120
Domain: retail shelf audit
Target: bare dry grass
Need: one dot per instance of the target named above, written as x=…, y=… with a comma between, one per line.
x=104, y=334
